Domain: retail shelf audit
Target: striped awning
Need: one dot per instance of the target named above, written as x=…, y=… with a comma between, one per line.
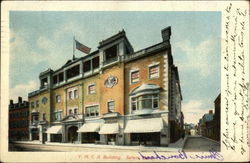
x=109, y=128
x=89, y=127
x=54, y=130
x=144, y=125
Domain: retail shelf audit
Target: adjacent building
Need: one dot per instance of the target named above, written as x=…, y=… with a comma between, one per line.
x=18, y=120
x=111, y=96
x=209, y=124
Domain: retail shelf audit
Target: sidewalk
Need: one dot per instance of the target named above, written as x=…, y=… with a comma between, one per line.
x=125, y=147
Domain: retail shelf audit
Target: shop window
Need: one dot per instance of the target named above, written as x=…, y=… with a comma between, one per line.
x=58, y=98
x=135, y=76
x=154, y=72
x=91, y=89
x=87, y=66
x=96, y=62
x=111, y=106
x=145, y=102
x=111, y=54
x=73, y=72
x=92, y=111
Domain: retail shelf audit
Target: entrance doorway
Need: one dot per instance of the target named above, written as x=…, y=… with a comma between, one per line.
x=72, y=134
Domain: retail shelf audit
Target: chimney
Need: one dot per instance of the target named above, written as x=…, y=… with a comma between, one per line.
x=166, y=33
x=19, y=100
x=210, y=111
x=11, y=102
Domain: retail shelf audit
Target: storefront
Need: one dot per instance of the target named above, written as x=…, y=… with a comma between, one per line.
x=144, y=131
x=110, y=132
x=89, y=132
x=54, y=134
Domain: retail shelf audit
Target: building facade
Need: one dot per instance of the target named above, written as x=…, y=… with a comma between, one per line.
x=209, y=124
x=18, y=120
x=111, y=96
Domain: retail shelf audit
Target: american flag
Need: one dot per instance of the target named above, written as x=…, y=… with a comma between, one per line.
x=82, y=47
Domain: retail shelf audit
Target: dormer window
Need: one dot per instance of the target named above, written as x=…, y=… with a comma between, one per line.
x=111, y=54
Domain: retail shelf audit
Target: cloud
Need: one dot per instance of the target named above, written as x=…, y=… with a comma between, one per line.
x=23, y=90
x=199, y=58
x=193, y=110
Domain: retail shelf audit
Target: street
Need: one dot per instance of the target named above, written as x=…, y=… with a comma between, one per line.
x=198, y=143
x=193, y=144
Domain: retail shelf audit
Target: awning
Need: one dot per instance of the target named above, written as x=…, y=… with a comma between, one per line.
x=54, y=130
x=109, y=128
x=144, y=125
x=89, y=127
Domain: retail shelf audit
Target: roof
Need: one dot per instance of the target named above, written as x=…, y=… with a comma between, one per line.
x=145, y=87
x=113, y=38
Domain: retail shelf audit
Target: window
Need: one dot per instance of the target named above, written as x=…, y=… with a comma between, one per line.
x=58, y=98
x=55, y=79
x=133, y=103
x=70, y=111
x=37, y=103
x=72, y=72
x=111, y=54
x=44, y=82
x=134, y=76
x=75, y=111
x=57, y=116
x=61, y=78
x=111, y=106
x=87, y=66
x=91, y=89
x=96, y=62
x=154, y=72
x=92, y=111
x=70, y=94
x=75, y=93
x=150, y=101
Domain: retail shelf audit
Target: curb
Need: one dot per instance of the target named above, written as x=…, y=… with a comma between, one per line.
x=211, y=140
x=184, y=142
x=140, y=148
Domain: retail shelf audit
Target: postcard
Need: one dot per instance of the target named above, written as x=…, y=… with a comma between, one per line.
x=119, y=81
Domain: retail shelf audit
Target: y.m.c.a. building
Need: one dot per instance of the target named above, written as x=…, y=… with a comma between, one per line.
x=111, y=96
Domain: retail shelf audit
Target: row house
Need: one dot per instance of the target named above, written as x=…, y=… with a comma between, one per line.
x=111, y=96
x=18, y=120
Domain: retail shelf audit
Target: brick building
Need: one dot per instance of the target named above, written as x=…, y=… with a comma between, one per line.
x=111, y=96
x=19, y=120
x=209, y=124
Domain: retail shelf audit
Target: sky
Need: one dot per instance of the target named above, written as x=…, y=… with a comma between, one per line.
x=42, y=40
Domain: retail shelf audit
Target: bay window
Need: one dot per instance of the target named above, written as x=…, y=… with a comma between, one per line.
x=149, y=101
